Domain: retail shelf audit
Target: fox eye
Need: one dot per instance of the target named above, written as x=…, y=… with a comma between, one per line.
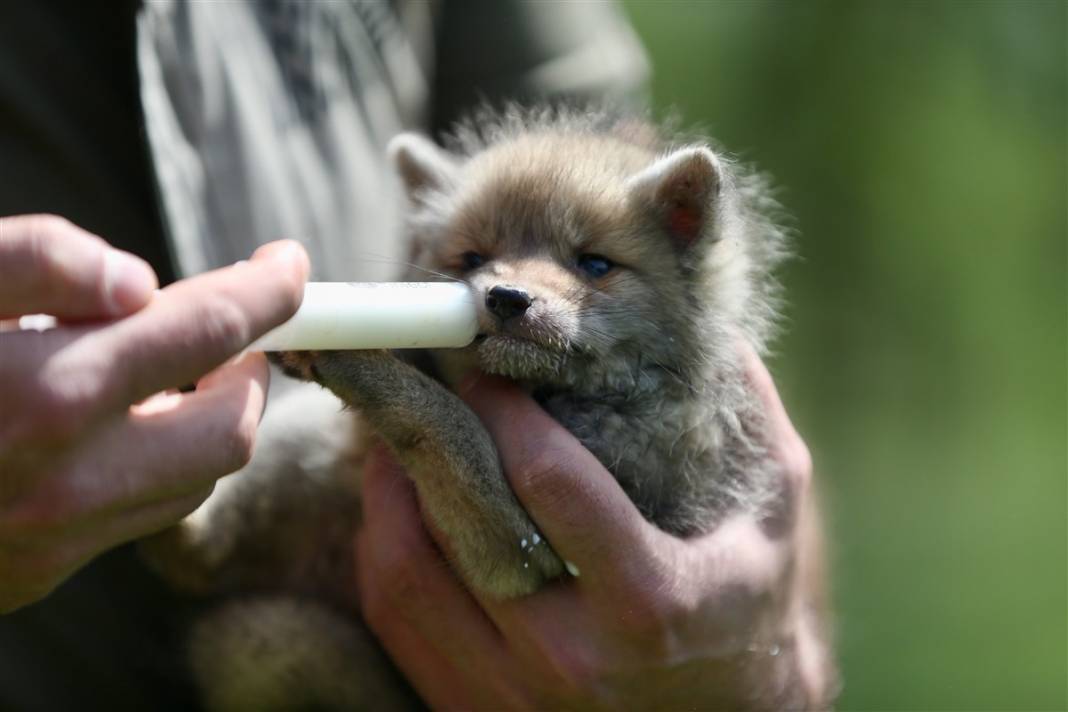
x=595, y=265
x=472, y=260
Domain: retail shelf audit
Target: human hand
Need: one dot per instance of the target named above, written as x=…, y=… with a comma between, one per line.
x=94, y=449
x=652, y=621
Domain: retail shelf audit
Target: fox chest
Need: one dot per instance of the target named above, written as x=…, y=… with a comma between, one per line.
x=663, y=454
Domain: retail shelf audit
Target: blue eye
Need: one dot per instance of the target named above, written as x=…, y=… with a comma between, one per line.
x=595, y=265
x=472, y=260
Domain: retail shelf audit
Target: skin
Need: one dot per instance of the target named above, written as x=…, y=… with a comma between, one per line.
x=652, y=621
x=96, y=446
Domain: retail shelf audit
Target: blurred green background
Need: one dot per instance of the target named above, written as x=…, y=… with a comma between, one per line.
x=921, y=148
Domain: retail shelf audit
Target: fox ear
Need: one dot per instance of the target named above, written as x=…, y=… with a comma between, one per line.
x=421, y=164
x=680, y=190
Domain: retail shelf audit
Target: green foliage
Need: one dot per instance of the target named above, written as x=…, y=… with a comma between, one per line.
x=921, y=148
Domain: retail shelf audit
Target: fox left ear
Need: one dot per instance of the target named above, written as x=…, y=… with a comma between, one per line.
x=680, y=190
x=421, y=164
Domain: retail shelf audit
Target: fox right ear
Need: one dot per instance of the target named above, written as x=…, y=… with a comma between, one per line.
x=421, y=164
x=681, y=190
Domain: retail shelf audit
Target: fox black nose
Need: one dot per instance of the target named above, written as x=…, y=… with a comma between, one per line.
x=506, y=302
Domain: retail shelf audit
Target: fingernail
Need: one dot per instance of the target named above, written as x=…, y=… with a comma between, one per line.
x=287, y=251
x=128, y=282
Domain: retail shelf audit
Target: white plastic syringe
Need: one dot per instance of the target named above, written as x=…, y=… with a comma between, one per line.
x=377, y=315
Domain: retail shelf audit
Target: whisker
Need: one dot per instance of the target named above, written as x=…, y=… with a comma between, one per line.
x=381, y=259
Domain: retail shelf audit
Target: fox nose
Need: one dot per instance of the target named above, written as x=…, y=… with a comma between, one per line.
x=506, y=302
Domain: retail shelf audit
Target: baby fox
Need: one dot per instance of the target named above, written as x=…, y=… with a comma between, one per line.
x=616, y=273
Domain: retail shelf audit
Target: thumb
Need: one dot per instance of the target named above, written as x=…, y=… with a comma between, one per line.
x=576, y=503
x=48, y=265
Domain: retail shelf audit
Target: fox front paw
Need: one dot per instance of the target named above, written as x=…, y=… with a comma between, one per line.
x=296, y=364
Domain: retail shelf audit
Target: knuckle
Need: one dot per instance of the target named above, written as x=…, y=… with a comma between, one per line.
x=41, y=235
x=189, y=503
x=799, y=466
x=747, y=603
x=656, y=608
x=244, y=440
x=793, y=467
x=292, y=291
x=578, y=670
x=43, y=228
x=240, y=443
x=650, y=622
x=200, y=496
x=61, y=406
x=34, y=253
x=223, y=326
x=537, y=479
x=50, y=222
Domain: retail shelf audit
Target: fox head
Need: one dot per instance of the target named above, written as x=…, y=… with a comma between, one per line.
x=594, y=259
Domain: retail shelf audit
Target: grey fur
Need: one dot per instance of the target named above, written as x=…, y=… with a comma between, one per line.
x=656, y=393
x=641, y=365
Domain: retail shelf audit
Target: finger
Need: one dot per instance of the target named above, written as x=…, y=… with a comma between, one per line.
x=786, y=444
x=139, y=522
x=170, y=448
x=65, y=379
x=403, y=577
x=740, y=570
x=45, y=561
x=785, y=447
x=48, y=265
x=143, y=473
x=196, y=324
x=552, y=625
x=575, y=501
x=435, y=679
x=203, y=435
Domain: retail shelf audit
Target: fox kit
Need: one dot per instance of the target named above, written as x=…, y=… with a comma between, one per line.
x=616, y=273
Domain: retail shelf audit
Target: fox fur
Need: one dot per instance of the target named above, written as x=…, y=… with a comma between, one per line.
x=629, y=266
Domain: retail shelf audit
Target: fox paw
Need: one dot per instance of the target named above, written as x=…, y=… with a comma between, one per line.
x=296, y=364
